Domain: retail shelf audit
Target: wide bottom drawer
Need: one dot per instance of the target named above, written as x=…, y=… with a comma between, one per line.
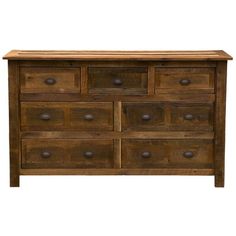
x=99, y=154
x=167, y=153
x=67, y=153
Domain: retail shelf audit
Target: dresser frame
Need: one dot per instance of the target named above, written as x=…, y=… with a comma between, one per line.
x=215, y=59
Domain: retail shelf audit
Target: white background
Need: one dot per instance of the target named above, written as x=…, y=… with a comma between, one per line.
x=118, y=205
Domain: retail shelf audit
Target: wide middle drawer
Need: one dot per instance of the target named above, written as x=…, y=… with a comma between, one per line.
x=87, y=116
x=151, y=116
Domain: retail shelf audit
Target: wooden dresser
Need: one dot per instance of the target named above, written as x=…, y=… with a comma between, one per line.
x=117, y=113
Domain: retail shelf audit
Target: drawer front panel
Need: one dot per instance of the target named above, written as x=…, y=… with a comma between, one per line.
x=184, y=80
x=192, y=117
x=50, y=80
x=167, y=153
x=166, y=116
x=118, y=80
x=85, y=116
x=54, y=153
x=143, y=116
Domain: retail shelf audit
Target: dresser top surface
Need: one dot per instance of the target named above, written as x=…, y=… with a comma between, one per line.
x=216, y=55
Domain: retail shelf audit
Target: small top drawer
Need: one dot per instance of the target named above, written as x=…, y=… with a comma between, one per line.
x=184, y=80
x=118, y=80
x=50, y=80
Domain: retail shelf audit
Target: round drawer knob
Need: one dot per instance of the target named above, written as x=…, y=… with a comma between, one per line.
x=117, y=82
x=188, y=117
x=188, y=154
x=88, y=117
x=45, y=116
x=185, y=82
x=146, y=117
x=45, y=154
x=88, y=154
x=146, y=154
x=50, y=81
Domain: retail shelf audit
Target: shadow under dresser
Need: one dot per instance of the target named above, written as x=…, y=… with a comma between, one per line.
x=117, y=113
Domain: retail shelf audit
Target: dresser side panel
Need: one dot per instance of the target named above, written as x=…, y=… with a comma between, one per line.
x=220, y=106
x=14, y=122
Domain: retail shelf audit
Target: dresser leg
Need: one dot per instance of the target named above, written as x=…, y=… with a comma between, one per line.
x=14, y=118
x=14, y=180
x=219, y=141
x=219, y=180
x=14, y=169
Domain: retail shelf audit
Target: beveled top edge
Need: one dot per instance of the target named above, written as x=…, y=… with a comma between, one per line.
x=116, y=55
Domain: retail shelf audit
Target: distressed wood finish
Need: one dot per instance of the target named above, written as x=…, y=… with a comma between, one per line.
x=118, y=55
x=220, y=106
x=164, y=116
x=63, y=116
x=76, y=153
x=49, y=80
x=184, y=80
x=121, y=171
x=167, y=153
x=117, y=80
x=14, y=124
x=117, y=113
x=118, y=135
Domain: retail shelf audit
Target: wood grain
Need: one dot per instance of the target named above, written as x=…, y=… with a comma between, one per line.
x=67, y=153
x=14, y=125
x=117, y=80
x=167, y=153
x=168, y=80
x=220, y=106
x=166, y=116
x=117, y=112
x=63, y=116
x=180, y=97
x=117, y=55
x=123, y=171
x=35, y=80
x=118, y=135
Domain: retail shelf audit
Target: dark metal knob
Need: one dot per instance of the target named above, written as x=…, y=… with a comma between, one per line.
x=185, y=82
x=45, y=116
x=50, y=81
x=146, y=154
x=146, y=117
x=45, y=154
x=88, y=117
x=88, y=154
x=188, y=154
x=117, y=82
x=188, y=117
